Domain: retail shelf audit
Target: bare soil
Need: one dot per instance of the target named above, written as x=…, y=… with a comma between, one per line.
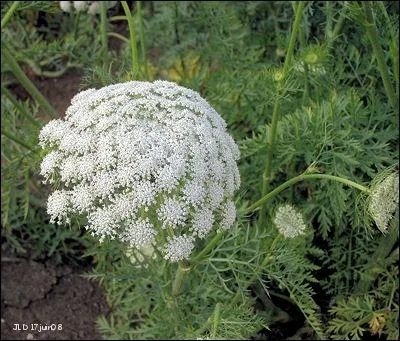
x=36, y=297
x=58, y=91
x=43, y=300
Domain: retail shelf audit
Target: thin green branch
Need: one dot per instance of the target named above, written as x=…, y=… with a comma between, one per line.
x=26, y=82
x=179, y=276
x=306, y=91
x=18, y=141
x=9, y=13
x=216, y=319
x=119, y=36
x=103, y=29
x=281, y=91
x=142, y=42
x=394, y=46
x=133, y=40
x=372, y=34
x=303, y=177
x=200, y=256
x=76, y=25
x=118, y=17
x=331, y=36
x=38, y=71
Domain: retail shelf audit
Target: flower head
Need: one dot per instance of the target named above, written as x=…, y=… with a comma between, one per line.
x=289, y=222
x=146, y=163
x=384, y=200
x=80, y=5
x=65, y=6
x=92, y=7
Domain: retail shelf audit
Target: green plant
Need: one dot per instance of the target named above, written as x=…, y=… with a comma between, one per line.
x=309, y=91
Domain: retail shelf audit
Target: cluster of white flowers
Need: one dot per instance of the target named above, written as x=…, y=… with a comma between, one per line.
x=147, y=163
x=289, y=222
x=92, y=7
x=384, y=200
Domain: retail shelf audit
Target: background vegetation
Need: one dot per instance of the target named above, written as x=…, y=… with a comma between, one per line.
x=338, y=108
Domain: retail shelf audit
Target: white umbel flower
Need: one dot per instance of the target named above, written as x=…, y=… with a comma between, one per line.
x=80, y=5
x=66, y=6
x=229, y=215
x=289, y=222
x=179, y=248
x=48, y=165
x=384, y=200
x=146, y=163
x=92, y=7
x=140, y=233
x=58, y=207
x=203, y=222
x=172, y=213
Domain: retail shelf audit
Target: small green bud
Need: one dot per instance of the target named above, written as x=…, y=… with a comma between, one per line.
x=311, y=58
x=278, y=76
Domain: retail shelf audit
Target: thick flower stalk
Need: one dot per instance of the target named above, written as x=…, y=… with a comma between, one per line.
x=384, y=200
x=289, y=222
x=146, y=163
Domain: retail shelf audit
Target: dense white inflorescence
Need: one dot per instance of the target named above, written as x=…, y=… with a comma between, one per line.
x=91, y=7
x=146, y=163
x=289, y=222
x=384, y=200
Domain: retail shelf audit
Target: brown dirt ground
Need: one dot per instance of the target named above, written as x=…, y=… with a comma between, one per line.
x=43, y=294
x=37, y=296
x=58, y=91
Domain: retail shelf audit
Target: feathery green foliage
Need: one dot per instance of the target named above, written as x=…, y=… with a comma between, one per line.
x=337, y=117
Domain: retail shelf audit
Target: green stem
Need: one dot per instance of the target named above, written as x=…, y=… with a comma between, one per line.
x=200, y=256
x=303, y=177
x=18, y=141
x=9, y=13
x=216, y=319
x=142, y=42
x=103, y=28
x=19, y=107
x=292, y=41
x=76, y=24
x=26, y=82
x=179, y=276
x=376, y=46
x=132, y=33
x=281, y=91
x=331, y=36
x=339, y=23
x=118, y=17
x=119, y=36
x=306, y=71
x=394, y=47
x=329, y=19
x=50, y=74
